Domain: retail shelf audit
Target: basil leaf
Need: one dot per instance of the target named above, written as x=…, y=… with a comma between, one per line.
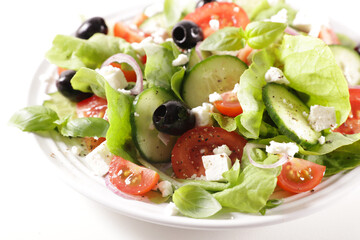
x=35, y=118
x=195, y=202
x=84, y=127
x=61, y=105
x=225, y=39
x=88, y=80
x=262, y=34
x=272, y=203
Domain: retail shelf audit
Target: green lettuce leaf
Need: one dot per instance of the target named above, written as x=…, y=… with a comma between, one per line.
x=159, y=69
x=174, y=10
x=253, y=7
x=225, y=39
x=74, y=53
x=267, y=13
x=176, y=82
x=250, y=95
x=118, y=137
x=311, y=68
x=88, y=80
x=61, y=105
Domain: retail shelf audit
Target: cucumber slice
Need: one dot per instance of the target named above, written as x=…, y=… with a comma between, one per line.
x=289, y=113
x=194, y=58
x=349, y=62
x=145, y=135
x=218, y=73
x=153, y=23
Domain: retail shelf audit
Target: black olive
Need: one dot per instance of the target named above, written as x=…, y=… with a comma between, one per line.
x=90, y=27
x=64, y=87
x=173, y=118
x=186, y=34
x=203, y=2
x=357, y=48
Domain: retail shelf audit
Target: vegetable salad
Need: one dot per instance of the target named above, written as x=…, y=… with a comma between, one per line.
x=207, y=105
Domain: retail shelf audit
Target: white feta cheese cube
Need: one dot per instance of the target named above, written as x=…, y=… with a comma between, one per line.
x=114, y=76
x=99, y=159
x=321, y=140
x=215, y=166
x=222, y=149
x=165, y=188
x=236, y=88
x=276, y=75
x=321, y=117
x=171, y=209
x=182, y=59
x=288, y=149
x=310, y=22
x=214, y=24
x=280, y=17
x=203, y=114
x=213, y=97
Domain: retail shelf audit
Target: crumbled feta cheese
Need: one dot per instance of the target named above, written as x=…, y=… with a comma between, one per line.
x=310, y=22
x=305, y=114
x=171, y=209
x=76, y=150
x=159, y=36
x=215, y=166
x=182, y=59
x=165, y=188
x=280, y=17
x=165, y=138
x=195, y=177
x=114, y=76
x=136, y=114
x=214, y=24
x=203, y=114
x=99, y=159
x=276, y=75
x=213, y=97
x=236, y=9
x=321, y=117
x=236, y=88
x=321, y=140
x=288, y=149
x=222, y=149
x=273, y=2
x=124, y=91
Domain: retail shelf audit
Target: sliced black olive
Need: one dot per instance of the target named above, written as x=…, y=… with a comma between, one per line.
x=173, y=118
x=186, y=34
x=90, y=27
x=64, y=87
x=203, y=2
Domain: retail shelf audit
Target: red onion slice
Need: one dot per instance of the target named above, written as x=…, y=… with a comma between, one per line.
x=122, y=194
x=291, y=31
x=198, y=51
x=124, y=58
x=283, y=159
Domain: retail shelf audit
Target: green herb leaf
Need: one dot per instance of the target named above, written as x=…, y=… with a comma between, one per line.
x=176, y=82
x=88, y=80
x=174, y=10
x=225, y=39
x=35, y=118
x=195, y=202
x=84, y=127
x=272, y=203
x=262, y=34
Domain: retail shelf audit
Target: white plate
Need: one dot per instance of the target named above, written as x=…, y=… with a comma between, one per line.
x=77, y=175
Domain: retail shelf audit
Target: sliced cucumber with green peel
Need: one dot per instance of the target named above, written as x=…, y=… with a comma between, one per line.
x=349, y=62
x=195, y=59
x=153, y=23
x=146, y=137
x=289, y=113
x=218, y=73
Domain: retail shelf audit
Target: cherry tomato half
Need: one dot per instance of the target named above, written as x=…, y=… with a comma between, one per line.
x=352, y=124
x=299, y=175
x=228, y=15
x=328, y=36
x=131, y=178
x=126, y=32
x=192, y=145
x=230, y=105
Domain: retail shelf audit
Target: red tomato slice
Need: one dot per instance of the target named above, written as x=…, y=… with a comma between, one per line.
x=228, y=15
x=60, y=70
x=230, y=105
x=299, y=175
x=352, y=124
x=244, y=54
x=197, y=142
x=131, y=35
x=92, y=107
x=328, y=36
x=131, y=178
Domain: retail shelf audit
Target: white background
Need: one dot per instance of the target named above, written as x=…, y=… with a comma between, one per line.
x=36, y=204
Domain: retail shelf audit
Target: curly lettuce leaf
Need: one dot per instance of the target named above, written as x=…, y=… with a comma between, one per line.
x=311, y=68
